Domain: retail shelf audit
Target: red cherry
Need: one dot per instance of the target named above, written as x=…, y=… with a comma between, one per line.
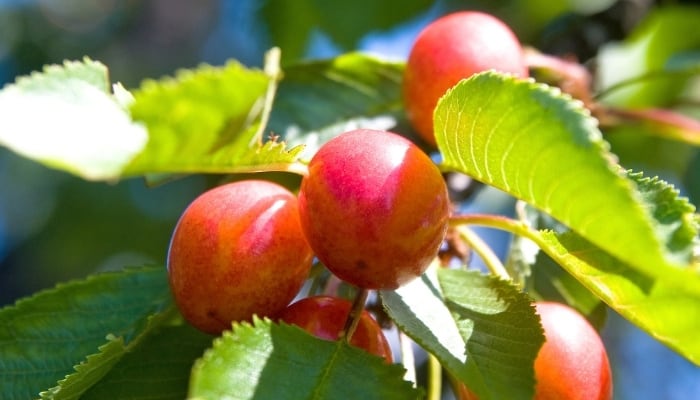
x=374, y=208
x=325, y=316
x=450, y=49
x=237, y=250
x=572, y=363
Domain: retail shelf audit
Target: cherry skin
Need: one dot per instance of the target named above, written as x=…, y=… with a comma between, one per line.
x=325, y=316
x=374, y=208
x=237, y=250
x=572, y=363
x=452, y=48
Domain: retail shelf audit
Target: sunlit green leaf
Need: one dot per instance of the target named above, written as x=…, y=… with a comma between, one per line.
x=664, y=306
x=675, y=218
x=270, y=361
x=669, y=312
x=483, y=330
x=46, y=335
x=551, y=282
x=542, y=147
x=209, y=119
x=545, y=279
x=67, y=117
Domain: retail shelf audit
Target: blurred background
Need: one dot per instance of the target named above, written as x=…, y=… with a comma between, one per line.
x=55, y=227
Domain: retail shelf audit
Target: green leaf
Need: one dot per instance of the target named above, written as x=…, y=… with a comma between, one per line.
x=502, y=333
x=270, y=361
x=319, y=100
x=99, y=364
x=664, y=306
x=522, y=253
x=649, y=67
x=46, y=335
x=291, y=25
x=544, y=148
x=209, y=119
x=551, y=282
x=676, y=222
x=89, y=371
x=482, y=329
x=418, y=309
x=67, y=118
x=157, y=368
x=547, y=280
x=669, y=312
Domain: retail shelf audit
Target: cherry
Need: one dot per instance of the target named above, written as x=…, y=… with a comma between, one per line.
x=374, y=208
x=325, y=316
x=452, y=48
x=572, y=363
x=237, y=250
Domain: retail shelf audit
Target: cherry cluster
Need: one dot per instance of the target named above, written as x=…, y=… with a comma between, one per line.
x=374, y=210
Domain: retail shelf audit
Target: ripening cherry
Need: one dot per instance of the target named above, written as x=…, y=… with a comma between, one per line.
x=572, y=363
x=374, y=208
x=452, y=48
x=325, y=316
x=237, y=250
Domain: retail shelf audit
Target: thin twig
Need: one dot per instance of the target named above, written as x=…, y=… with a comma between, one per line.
x=434, y=378
x=353, y=319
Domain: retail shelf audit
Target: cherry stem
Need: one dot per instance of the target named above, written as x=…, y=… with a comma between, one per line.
x=498, y=222
x=490, y=259
x=273, y=70
x=434, y=378
x=358, y=305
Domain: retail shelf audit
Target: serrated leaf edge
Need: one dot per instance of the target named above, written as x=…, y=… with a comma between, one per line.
x=595, y=138
x=113, y=343
x=76, y=282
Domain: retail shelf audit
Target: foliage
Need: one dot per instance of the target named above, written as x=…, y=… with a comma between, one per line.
x=604, y=234
x=314, y=368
